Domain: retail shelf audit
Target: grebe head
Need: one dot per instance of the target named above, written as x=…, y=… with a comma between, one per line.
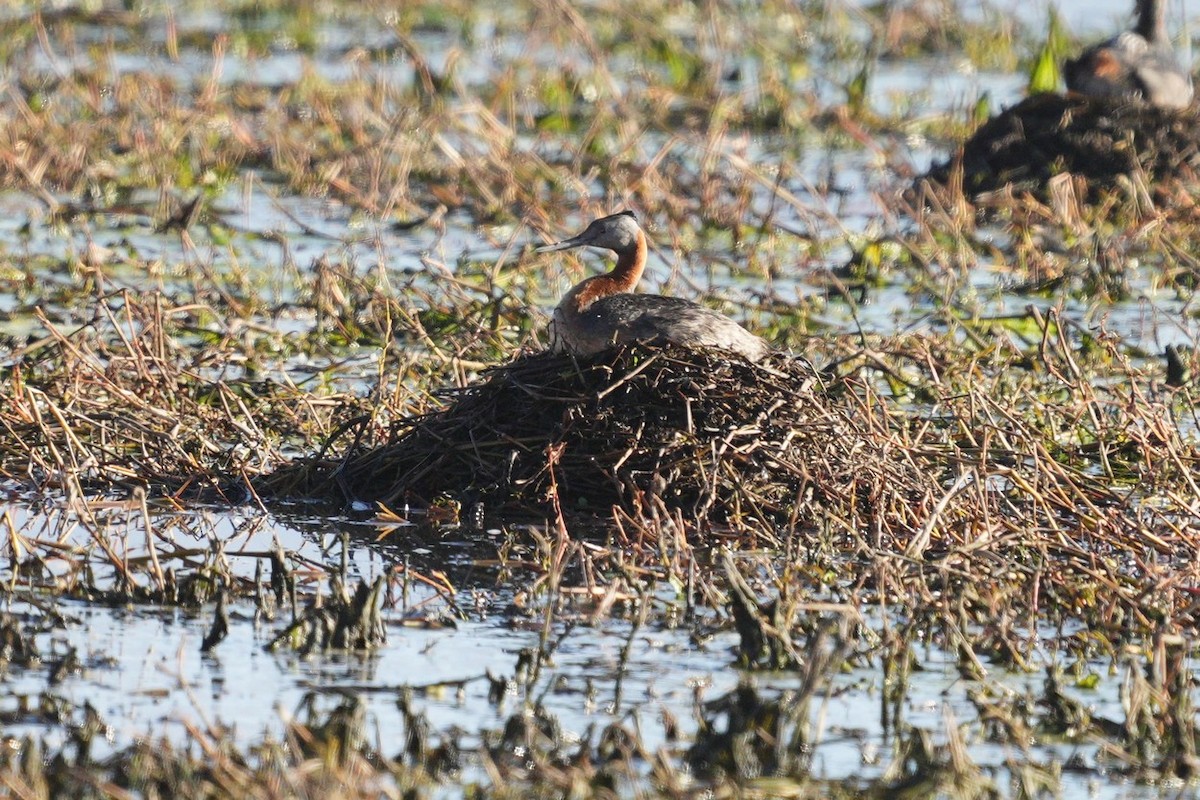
x=618, y=233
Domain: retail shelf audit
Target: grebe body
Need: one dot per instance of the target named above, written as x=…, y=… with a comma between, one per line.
x=603, y=311
x=1134, y=65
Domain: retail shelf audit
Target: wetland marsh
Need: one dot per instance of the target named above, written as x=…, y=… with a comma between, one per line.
x=237, y=237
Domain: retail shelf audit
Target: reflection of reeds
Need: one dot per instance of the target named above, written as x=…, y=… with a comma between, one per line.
x=342, y=621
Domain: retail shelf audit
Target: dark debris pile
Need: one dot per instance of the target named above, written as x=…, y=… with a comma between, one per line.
x=1097, y=139
x=717, y=438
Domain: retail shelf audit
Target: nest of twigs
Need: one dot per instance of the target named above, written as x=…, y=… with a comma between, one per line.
x=1099, y=140
x=716, y=437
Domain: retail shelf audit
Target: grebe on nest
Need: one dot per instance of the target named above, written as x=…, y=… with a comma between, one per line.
x=602, y=311
x=1134, y=65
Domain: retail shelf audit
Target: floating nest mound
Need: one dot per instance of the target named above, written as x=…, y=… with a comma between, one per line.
x=717, y=438
x=1100, y=140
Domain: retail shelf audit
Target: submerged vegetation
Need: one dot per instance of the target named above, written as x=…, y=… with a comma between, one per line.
x=259, y=264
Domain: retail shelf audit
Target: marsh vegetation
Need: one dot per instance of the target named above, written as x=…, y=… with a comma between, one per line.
x=296, y=504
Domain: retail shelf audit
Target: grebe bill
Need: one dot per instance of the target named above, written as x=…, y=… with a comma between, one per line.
x=602, y=311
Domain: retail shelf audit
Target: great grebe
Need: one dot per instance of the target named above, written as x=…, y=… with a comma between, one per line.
x=602, y=310
x=1136, y=65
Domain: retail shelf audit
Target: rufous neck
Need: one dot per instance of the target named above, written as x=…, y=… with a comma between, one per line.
x=630, y=266
x=622, y=279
